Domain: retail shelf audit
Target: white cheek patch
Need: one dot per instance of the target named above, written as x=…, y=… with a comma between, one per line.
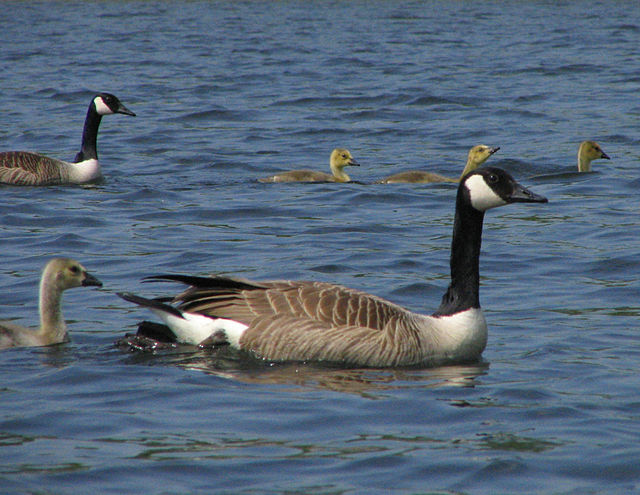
x=482, y=196
x=101, y=107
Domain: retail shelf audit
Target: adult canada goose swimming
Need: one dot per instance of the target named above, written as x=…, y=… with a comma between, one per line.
x=476, y=157
x=588, y=151
x=59, y=275
x=339, y=159
x=315, y=321
x=25, y=168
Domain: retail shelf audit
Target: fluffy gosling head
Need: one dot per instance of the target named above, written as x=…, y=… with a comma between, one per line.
x=66, y=273
x=588, y=151
x=480, y=154
x=341, y=158
x=477, y=156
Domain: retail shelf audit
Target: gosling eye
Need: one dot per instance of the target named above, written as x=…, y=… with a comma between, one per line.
x=75, y=270
x=344, y=156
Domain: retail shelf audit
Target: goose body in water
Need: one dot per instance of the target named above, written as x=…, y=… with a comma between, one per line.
x=59, y=275
x=340, y=158
x=25, y=168
x=315, y=321
x=476, y=157
x=587, y=152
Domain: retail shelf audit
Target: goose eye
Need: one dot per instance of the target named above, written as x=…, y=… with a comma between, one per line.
x=493, y=178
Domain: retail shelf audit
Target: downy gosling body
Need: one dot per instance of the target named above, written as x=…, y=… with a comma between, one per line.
x=24, y=168
x=315, y=321
x=476, y=157
x=59, y=275
x=340, y=158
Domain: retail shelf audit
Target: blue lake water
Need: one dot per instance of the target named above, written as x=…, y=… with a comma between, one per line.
x=228, y=92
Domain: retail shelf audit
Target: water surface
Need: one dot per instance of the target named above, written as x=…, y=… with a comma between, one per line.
x=227, y=92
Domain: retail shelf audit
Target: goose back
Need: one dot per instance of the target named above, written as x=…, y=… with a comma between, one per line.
x=24, y=168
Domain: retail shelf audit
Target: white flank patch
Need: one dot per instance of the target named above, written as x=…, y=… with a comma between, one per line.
x=193, y=328
x=101, y=107
x=461, y=335
x=83, y=172
x=482, y=196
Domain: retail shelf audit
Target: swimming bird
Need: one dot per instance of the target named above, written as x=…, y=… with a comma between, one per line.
x=588, y=151
x=316, y=321
x=339, y=159
x=59, y=275
x=476, y=157
x=25, y=168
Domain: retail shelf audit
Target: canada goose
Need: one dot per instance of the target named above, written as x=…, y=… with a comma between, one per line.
x=315, y=321
x=59, y=275
x=339, y=159
x=476, y=157
x=25, y=168
x=588, y=151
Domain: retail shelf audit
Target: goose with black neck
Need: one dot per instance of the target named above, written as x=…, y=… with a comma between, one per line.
x=316, y=321
x=25, y=168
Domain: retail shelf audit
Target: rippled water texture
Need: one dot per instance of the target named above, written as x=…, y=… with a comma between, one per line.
x=228, y=92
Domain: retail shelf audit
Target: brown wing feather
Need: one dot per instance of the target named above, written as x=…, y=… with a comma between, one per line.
x=316, y=301
x=298, y=339
x=29, y=169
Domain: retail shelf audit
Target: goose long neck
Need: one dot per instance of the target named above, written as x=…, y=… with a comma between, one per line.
x=584, y=162
x=89, y=148
x=52, y=325
x=339, y=173
x=463, y=291
x=471, y=165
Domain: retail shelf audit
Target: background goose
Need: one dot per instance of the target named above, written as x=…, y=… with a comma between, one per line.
x=314, y=321
x=588, y=151
x=339, y=159
x=476, y=157
x=25, y=168
x=59, y=275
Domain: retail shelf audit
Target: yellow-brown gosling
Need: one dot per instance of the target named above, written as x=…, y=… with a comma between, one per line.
x=340, y=158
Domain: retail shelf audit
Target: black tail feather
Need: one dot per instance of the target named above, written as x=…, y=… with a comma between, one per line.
x=150, y=303
x=209, y=282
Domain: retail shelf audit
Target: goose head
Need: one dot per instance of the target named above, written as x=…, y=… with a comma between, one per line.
x=341, y=158
x=480, y=154
x=108, y=104
x=67, y=273
x=477, y=156
x=490, y=187
x=588, y=151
